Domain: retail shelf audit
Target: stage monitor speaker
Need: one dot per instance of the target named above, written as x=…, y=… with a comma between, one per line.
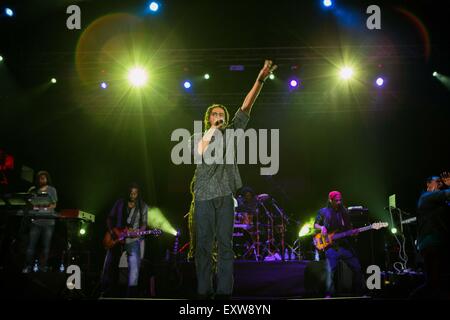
x=316, y=279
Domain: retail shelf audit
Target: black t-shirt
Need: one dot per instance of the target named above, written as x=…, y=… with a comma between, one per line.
x=335, y=221
x=433, y=219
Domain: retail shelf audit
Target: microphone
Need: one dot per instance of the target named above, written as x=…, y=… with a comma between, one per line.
x=357, y=208
x=218, y=122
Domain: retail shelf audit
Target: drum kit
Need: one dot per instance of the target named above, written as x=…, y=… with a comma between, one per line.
x=259, y=228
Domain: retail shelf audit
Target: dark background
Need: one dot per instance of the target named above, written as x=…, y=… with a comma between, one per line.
x=364, y=141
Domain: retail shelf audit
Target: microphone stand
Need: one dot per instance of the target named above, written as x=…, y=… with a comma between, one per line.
x=400, y=214
x=405, y=237
x=282, y=228
x=269, y=229
x=257, y=236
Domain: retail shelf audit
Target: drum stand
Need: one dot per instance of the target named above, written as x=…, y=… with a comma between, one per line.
x=258, y=243
x=283, y=229
x=270, y=238
x=254, y=249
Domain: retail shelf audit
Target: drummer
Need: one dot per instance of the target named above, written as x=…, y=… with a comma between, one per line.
x=247, y=201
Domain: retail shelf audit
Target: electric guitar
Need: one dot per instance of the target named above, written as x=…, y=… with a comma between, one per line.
x=121, y=234
x=322, y=242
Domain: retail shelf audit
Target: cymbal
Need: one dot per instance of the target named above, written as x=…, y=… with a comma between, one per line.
x=263, y=197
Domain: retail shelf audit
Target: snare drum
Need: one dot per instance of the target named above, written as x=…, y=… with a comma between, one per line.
x=243, y=218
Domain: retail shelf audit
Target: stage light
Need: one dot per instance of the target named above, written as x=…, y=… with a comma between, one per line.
x=304, y=230
x=346, y=73
x=137, y=77
x=154, y=6
x=187, y=84
x=272, y=76
x=83, y=228
x=156, y=219
x=53, y=80
x=206, y=76
x=9, y=12
x=394, y=230
x=307, y=228
x=103, y=85
x=293, y=83
x=380, y=81
x=327, y=3
x=445, y=80
x=237, y=67
x=1, y=58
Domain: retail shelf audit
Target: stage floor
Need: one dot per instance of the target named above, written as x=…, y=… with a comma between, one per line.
x=275, y=280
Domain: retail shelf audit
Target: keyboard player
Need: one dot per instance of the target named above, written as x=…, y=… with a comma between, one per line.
x=44, y=201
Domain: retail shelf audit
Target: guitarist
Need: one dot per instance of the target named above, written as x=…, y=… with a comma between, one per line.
x=130, y=212
x=334, y=218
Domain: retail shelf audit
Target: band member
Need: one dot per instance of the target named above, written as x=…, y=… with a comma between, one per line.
x=41, y=228
x=247, y=201
x=433, y=214
x=130, y=212
x=213, y=191
x=335, y=218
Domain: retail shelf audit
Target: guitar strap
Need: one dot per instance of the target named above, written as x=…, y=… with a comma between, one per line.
x=133, y=218
x=341, y=218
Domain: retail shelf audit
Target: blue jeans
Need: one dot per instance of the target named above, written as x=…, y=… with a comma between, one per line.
x=45, y=232
x=333, y=255
x=214, y=220
x=110, y=272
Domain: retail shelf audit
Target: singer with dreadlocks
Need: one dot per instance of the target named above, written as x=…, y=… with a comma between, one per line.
x=213, y=192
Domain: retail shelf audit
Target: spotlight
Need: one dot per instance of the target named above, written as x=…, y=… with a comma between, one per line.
x=346, y=73
x=156, y=219
x=327, y=3
x=154, y=6
x=307, y=229
x=380, y=81
x=1, y=58
x=187, y=84
x=293, y=83
x=103, y=85
x=53, y=80
x=304, y=230
x=82, y=231
x=137, y=77
x=206, y=76
x=394, y=230
x=272, y=76
x=442, y=78
x=9, y=12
